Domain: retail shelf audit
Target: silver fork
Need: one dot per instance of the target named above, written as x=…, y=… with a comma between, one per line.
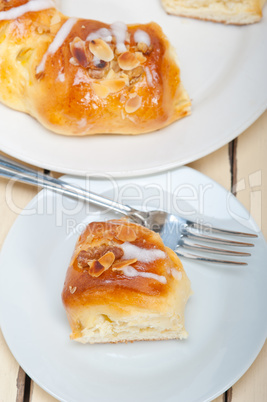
x=180, y=234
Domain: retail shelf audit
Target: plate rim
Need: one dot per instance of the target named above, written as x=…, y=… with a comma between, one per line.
x=145, y=171
x=252, y=111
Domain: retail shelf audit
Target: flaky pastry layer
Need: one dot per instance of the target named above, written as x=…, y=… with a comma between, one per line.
x=239, y=12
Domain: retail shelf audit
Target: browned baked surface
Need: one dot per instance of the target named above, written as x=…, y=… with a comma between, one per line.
x=73, y=94
x=97, y=240
x=96, y=282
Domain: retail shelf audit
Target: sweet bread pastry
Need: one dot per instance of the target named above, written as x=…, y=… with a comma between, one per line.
x=237, y=12
x=123, y=285
x=81, y=77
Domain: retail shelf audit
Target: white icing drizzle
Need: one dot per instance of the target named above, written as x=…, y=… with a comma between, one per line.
x=102, y=33
x=61, y=77
x=176, y=274
x=149, y=77
x=57, y=42
x=96, y=60
x=132, y=272
x=141, y=254
x=32, y=5
x=119, y=30
x=142, y=37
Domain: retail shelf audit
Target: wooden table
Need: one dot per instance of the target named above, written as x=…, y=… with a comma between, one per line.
x=241, y=167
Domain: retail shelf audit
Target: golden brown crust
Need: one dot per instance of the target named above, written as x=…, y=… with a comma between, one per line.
x=114, y=297
x=109, y=284
x=72, y=95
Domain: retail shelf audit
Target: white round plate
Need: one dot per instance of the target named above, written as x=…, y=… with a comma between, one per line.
x=223, y=69
x=225, y=317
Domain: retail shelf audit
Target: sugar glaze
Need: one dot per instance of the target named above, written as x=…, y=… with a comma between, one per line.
x=32, y=5
x=57, y=42
x=132, y=272
x=141, y=254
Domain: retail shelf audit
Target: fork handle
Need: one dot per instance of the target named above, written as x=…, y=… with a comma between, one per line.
x=15, y=170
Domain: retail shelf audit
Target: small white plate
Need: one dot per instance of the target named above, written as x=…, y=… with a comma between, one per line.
x=225, y=317
x=223, y=69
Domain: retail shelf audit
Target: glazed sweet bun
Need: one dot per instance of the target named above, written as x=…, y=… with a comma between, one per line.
x=237, y=12
x=82, y=77
x=123, y=285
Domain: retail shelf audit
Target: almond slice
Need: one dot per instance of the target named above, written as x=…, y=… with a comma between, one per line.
x=133, y=104
x=140, y=57
x=118, y=266
x=111, y=74
x=128, y=61
x=72, y=289
x=55, y=19
x=100, y=90
x=126, y=233
x=125, y=77
x=79, y=52
x=115, y=85
x=73, y=61
x=142, y=47
x=96, y=269
x=107, y=260
x=101, y=50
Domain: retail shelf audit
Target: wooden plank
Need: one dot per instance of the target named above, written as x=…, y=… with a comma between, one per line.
x=39, y=395
x=216, y=166
x=252, y=171
x=251, y=189
x=13, y=198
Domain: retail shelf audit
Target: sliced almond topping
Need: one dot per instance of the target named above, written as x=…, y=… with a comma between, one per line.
x=101, y=50
x=140, y=57
x=126, y=233
x=107, y=260
x=114, y=85
x=96, y=269
x=118, y=266
x=115, y=66
x=55, y=19
x=96, y=74
x=128, y=61
x=100, y=90
x=133, y=104
x=72, y=289
x=80, y=53
x=73, y=61
x=111, y=74
x=144, y=48
x=134, y=75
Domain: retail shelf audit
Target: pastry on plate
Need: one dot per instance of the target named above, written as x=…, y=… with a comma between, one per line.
x=237, y=12
x=123, y=285
x=81, y=77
